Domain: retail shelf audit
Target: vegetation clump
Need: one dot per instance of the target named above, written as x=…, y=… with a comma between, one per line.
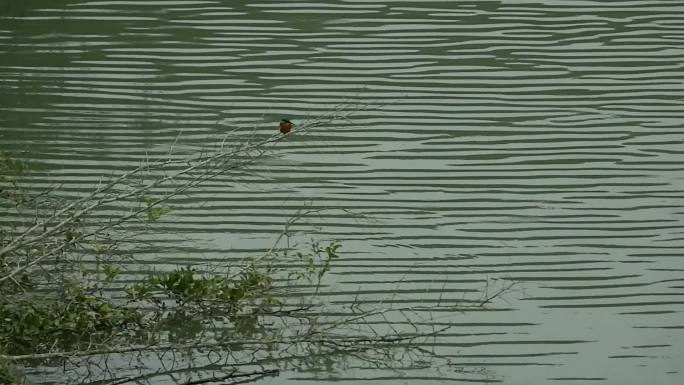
x=66, y=292
x=40, y=324
x=68, y=298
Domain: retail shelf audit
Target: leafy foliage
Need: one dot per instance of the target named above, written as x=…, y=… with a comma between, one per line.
x=189, y=288
x=82, y=315
x=153, y=210
x=32, y=325
x=317, y=261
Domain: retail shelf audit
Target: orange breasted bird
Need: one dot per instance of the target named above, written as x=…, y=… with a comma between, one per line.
x=285, y=126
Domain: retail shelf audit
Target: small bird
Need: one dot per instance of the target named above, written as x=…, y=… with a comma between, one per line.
x=285, y=126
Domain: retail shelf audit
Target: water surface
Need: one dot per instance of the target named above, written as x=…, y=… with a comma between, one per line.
x=537, y=142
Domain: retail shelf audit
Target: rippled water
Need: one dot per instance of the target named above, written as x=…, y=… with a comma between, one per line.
x=538, y=142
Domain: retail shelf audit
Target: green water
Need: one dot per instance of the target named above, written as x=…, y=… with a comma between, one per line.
x=539, y=142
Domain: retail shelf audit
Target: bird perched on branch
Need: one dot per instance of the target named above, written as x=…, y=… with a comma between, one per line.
x=285, y=126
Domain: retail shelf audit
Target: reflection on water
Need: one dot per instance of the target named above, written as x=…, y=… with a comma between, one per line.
x=538, y=142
